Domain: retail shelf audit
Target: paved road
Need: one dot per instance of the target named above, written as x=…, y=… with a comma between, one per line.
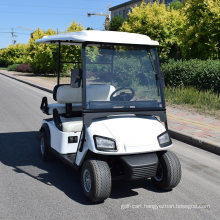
x=33, y=189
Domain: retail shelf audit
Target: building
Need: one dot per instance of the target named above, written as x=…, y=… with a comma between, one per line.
x=123, y=9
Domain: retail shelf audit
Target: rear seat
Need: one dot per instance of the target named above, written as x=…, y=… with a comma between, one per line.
x=65, y=95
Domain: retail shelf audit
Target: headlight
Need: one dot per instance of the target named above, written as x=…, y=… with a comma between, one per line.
x=104, y=144
x=164, y=139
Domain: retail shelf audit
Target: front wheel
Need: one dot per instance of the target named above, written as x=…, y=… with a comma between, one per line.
x=96, y=180
x=169, y=171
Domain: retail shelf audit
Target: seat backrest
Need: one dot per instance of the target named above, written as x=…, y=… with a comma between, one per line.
x=99, y=92
x=64, y=94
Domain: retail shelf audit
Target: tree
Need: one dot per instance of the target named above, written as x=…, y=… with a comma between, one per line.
x=176, y=5
x=201, y=38
x=13, y=54
x=71, y=53
x=116, y=23
x=74, y=27
x=42, y=57
x=160, y=23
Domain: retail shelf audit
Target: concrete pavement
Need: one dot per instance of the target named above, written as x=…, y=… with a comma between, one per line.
x=33, y=189
x=187, y=126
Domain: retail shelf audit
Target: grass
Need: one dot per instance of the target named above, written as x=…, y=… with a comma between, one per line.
x=204, y=101
x=3, y=68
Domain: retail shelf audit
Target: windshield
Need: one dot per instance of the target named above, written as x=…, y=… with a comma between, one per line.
x=122, y=77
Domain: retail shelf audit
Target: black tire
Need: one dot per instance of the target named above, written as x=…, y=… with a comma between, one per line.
x=96, y=180
x=169, y=171
x=44, y=148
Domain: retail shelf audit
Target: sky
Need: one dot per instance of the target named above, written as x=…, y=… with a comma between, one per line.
x=55, y=14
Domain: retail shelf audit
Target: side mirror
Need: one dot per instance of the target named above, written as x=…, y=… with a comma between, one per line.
x=76, y=76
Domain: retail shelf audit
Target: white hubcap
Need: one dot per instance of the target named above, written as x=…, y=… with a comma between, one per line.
x=87, y=180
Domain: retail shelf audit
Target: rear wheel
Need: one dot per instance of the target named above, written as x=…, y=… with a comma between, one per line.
x=96, y=180
x=169, y=171
x=44, y=148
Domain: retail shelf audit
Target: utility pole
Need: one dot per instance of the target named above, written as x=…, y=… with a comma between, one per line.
x=13, y=36
x=107, y=17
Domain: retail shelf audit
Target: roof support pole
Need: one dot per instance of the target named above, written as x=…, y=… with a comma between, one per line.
x=59, y=64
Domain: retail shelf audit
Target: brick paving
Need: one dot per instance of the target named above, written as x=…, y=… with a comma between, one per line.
x=194, y=124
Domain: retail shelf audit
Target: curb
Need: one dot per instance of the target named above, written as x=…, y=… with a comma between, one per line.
x=214, y=148
x=211, y=147
x=28, y=83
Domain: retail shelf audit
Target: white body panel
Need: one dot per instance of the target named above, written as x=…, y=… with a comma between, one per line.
x=133, y=135
x=59, y=139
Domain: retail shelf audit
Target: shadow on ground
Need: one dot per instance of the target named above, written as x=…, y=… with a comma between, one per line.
x=21, y=149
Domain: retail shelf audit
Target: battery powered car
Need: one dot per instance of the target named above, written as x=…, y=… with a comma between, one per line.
x=109, y=121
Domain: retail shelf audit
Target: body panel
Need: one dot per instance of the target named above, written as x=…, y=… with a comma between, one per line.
x=133, y=135
x=59, y=139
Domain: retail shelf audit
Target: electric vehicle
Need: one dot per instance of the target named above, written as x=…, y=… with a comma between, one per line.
x=110, y=121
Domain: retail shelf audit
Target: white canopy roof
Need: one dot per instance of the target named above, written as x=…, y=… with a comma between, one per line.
x=100, y=37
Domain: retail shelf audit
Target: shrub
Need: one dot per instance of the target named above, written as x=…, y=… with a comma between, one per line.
x=201, y=74
x=24, y=67
x=13, y=67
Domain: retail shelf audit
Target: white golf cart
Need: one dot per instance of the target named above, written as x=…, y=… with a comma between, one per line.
x=110, y=121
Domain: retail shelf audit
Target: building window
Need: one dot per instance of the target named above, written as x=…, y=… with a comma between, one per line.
x=124, y=13
x=120, y=13
x=127, y=11
x=115, y=14
x=168, y=1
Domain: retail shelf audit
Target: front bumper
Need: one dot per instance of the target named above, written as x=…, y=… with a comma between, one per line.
x=140, y=166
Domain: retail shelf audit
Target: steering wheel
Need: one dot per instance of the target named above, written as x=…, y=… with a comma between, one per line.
x=123, y=96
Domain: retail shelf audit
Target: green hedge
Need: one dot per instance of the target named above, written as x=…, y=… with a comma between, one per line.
x=13, y=67
x=201, y=74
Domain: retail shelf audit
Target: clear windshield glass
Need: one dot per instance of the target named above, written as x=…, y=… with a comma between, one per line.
x=121, y=77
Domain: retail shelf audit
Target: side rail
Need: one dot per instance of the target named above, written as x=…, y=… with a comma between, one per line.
x=57, y=120
x=44, y=105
